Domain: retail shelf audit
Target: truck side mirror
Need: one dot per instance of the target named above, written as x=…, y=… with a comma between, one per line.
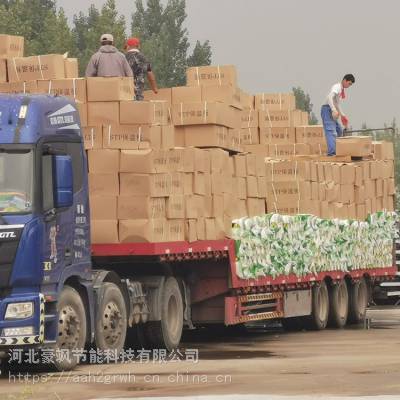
x=63, y=181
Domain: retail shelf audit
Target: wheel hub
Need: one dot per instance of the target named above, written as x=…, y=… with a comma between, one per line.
x=112, y=323
x=68, y=328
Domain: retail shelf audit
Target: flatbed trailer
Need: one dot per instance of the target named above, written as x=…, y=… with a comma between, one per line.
x=218, y=295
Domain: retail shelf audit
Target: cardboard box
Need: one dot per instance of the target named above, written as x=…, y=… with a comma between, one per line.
x=328, y=172
x=347, y=194
x=103, y=161
x=379, y=187
x=320, y=149
x=144, y=161
x=205, y=113
x=249, y=118
x=19, y=87
x=249, y=136
x=11, y=46
x=206, y=135
x=277, y=135
x=93, y=137
x=315, y=191
x=82, y=109
x=222, y=93
x=251, y=164
x=383, y=150
x=332, y=192
x=320, y=172
x=139, y=207
x=3, y=71
x=132, y=137
x=103, y=113
x=247, y=100
x=216, y=183
x=71, y=67
x=391, y=188
x=312, y=134
x=359, y=194
x=262, y=186
x=213, y=206
x=73, y=88
x=288, y=150
x=234, y=139
x=50, y=66
x=143, y=230
x=103, y=184
x=211, y=75
x=191, y=230
x=284, y=193
x=252, y=186
x=355, y=146
x=240, y=185
x=188, y=159
x=186, y=94
x=210, y=233
x=255, y=207
x=179, y=136
x=286, y=170
x=219, y=159
x=164, y=94
x=344, y=173
x=359, y=181
x=151, y=185
x=370, y=189
x=299, y=118
x=275, y=119
x=104, y=231
x=239, y=162
x=175, y=206
x=260, y=149
x=275, y=101
x=110, y=89
x=144, y=112
x=103, y=207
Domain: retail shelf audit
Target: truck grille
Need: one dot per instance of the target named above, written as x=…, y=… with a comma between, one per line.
x=9, y=240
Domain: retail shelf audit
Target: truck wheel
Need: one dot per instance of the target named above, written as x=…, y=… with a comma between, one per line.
x=338, y=305
x=358, y=301
x=320, y=308
x=167, y=332
x=293, y=324
x=71, y=329
x=111, y=319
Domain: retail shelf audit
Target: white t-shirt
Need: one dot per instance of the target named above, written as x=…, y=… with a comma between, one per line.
x=333, y=98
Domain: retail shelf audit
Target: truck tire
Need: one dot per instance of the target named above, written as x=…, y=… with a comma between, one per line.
x=338, y=305
x=358, y=301
x=111, y=319
x=71, y=328
x=167, y=333
x=320, y=308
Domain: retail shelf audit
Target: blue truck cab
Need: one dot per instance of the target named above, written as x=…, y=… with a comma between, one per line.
x=44, y=220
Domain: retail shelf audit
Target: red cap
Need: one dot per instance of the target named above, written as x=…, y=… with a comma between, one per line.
x=133, y=42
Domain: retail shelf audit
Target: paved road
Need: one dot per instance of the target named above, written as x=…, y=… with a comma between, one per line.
x=268, y=364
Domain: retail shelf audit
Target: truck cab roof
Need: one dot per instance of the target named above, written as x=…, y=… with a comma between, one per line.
x=27, y=118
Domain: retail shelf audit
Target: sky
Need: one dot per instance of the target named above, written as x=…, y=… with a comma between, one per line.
x=278, y=44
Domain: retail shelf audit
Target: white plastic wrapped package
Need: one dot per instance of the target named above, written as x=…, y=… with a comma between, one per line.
x=274, y=244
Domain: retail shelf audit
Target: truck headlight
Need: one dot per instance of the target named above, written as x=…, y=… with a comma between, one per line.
x=23, y=331
x=19, y=310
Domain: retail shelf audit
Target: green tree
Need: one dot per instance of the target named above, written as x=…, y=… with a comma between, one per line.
x=88, y=29
x=201, y=55
x=44, y=28
x=165, y=42
x=303, y=102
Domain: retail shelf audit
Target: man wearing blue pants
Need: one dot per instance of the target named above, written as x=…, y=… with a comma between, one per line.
x=331, y=111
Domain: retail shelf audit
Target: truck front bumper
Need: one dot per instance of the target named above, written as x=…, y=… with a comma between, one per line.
x=36, y=321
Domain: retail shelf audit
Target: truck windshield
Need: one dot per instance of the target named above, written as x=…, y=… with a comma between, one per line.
x=16, y=181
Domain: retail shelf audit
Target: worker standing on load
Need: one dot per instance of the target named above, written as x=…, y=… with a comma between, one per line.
x=108, y=61
x=331, y=111
x=140, y=67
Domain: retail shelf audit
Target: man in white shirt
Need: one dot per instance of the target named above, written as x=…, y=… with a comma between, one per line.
x=331, y=111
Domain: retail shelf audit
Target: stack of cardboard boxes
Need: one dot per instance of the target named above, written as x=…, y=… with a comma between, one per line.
x=187, y=161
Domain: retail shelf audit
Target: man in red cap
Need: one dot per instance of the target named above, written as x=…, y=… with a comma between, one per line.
x=140, y=67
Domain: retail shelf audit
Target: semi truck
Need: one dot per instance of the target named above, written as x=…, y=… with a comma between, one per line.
x=57, y=291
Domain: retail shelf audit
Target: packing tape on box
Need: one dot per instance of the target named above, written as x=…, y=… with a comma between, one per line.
x=50, y=87
x=269, y=118
x=170, y=115
x=181, y=113
x=249, y=119
x=15, y=69
x=263, y=101
x=92, y=136
x=40, y=66
x=109, y=135
x=219, y=75
x=280, y=101
x=198, y=76
x=205, y=112
x=74, y=87
x=24, y=86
